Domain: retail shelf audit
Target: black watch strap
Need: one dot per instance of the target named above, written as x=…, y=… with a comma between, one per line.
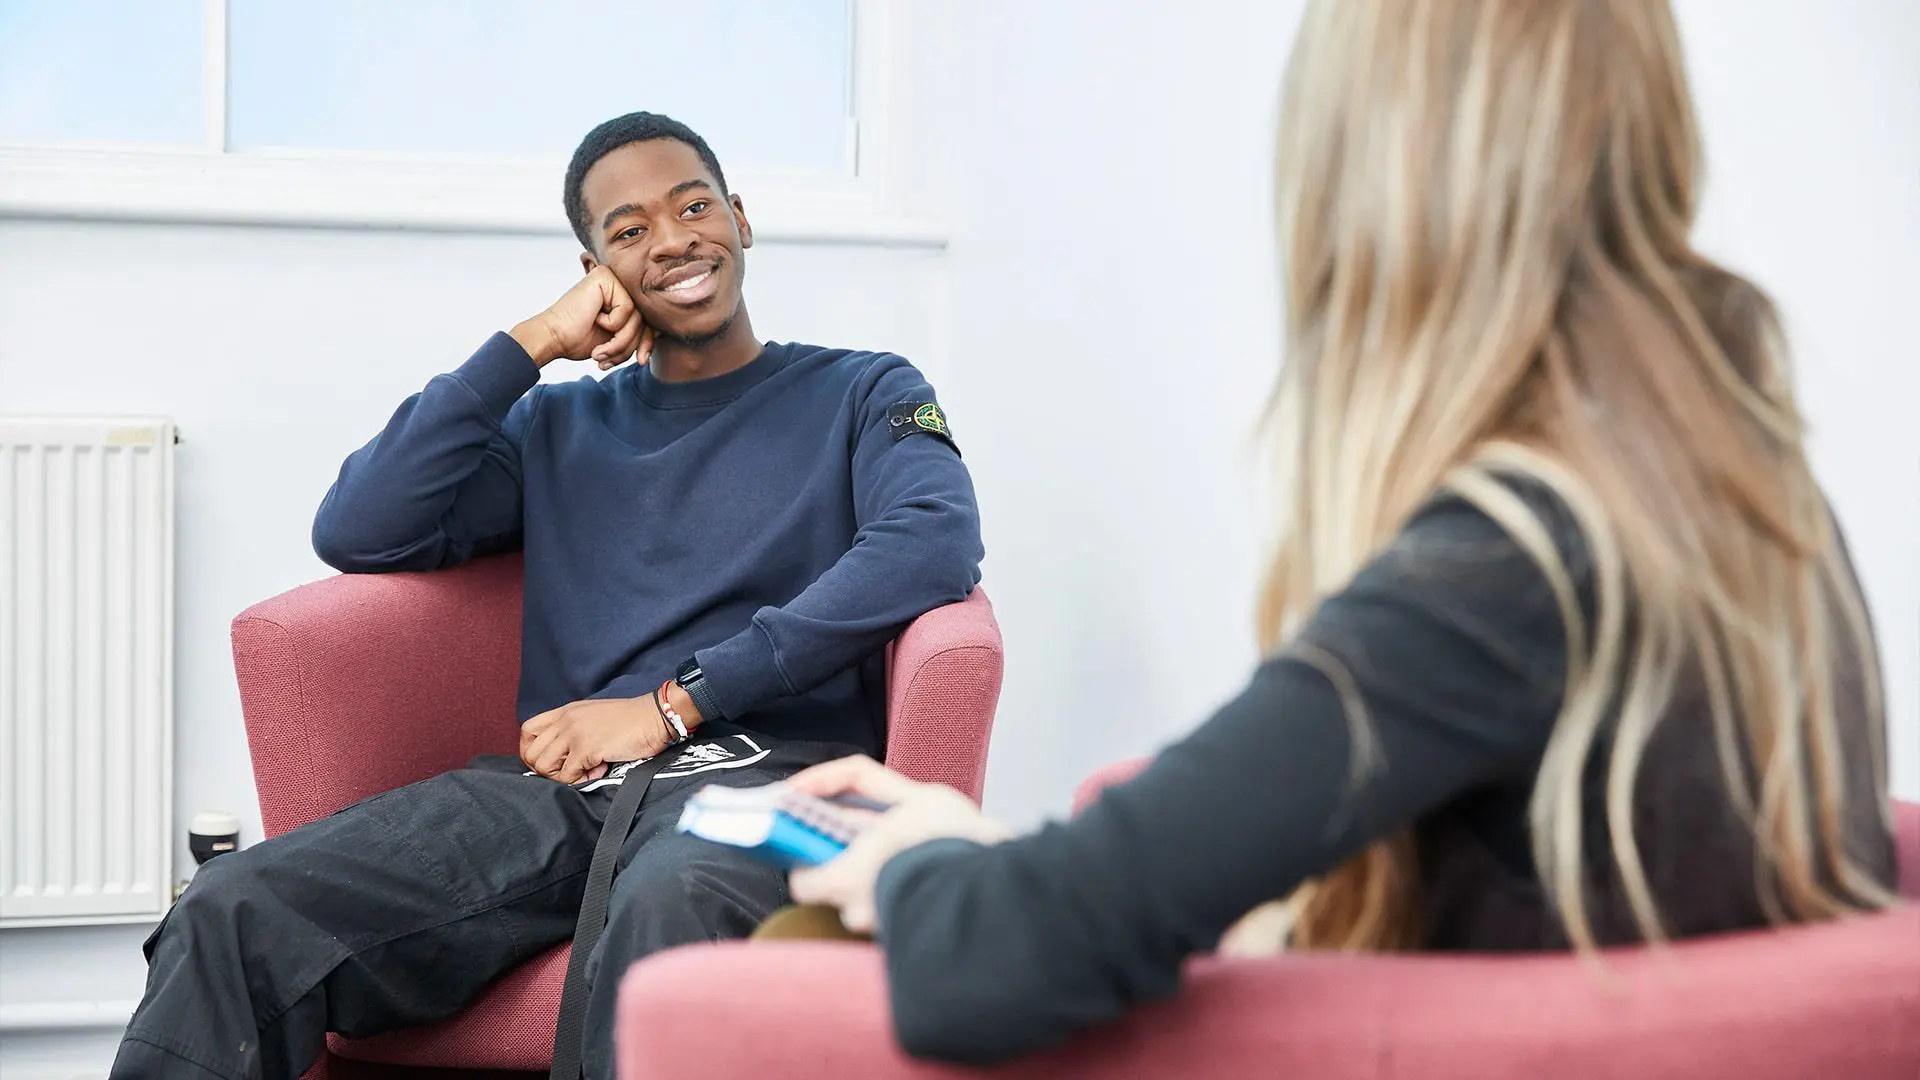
x=694, y=682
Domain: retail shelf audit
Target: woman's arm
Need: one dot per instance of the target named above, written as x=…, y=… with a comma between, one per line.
x=1450, y=641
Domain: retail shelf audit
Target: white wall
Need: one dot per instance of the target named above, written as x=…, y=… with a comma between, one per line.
x=1115, y=331
x=1102, y=327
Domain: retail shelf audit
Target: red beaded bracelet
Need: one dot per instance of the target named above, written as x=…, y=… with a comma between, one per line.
x=672, y=716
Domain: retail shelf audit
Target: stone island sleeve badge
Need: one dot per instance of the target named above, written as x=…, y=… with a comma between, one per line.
x=920, y=418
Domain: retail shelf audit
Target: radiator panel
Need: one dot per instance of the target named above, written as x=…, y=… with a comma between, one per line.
x=86, y=662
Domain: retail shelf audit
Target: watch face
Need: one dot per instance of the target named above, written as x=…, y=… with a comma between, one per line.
x=689, y=672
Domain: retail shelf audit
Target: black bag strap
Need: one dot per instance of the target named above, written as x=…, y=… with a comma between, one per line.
x=570, y=1033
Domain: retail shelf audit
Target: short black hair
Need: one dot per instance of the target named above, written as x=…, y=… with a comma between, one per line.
x=614, y=134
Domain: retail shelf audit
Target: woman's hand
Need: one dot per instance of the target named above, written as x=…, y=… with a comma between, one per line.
x=915, y=813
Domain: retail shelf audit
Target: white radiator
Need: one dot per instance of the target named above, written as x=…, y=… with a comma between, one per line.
x=86, y=669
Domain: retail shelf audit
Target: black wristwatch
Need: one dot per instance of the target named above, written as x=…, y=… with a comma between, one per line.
x=694, y=682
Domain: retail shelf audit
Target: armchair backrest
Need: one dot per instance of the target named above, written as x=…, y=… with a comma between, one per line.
x=361, y=683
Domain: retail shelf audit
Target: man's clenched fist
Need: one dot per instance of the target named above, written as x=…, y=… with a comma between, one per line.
x=596, y=320
x=574, y=741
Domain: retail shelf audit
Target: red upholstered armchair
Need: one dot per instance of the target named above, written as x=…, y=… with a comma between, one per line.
x=357, y=684
x=1835, y=1000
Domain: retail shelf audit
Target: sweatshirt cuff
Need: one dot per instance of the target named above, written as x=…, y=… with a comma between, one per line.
x=743, y=672
x=499, y=374
x=902, y=867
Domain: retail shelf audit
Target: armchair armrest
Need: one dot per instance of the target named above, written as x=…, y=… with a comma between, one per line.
x=943, y=686
x=1906, y=847
x=364, y=682
x=1830, y=999
x=1105, y=777
x=1834, y=999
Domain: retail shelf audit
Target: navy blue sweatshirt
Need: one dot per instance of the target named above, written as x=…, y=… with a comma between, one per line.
x=770, y=523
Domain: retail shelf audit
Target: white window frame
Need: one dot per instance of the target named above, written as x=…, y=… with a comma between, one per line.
x=354, y=189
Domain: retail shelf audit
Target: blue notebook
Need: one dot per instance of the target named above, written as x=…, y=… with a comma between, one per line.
x=773, y=823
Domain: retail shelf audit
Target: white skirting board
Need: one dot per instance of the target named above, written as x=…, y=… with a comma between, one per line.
x=60, y=1040
x=46, y=1016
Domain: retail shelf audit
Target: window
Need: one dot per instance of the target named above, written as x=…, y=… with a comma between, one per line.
x=436, y=113
x=100, y=71
x=765, y=81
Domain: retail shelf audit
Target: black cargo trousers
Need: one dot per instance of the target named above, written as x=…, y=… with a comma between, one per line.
x=400, y=909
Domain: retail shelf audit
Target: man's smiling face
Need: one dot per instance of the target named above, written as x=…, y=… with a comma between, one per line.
x=661, y=224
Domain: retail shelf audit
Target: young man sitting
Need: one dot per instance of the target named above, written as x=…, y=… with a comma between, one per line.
x=719, y=540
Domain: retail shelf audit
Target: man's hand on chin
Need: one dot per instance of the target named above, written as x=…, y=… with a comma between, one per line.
x=576, y=742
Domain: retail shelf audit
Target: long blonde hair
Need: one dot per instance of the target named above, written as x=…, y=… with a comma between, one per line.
x=1484, y=209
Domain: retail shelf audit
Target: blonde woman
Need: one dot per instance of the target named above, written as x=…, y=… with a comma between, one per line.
x=1564, y=648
